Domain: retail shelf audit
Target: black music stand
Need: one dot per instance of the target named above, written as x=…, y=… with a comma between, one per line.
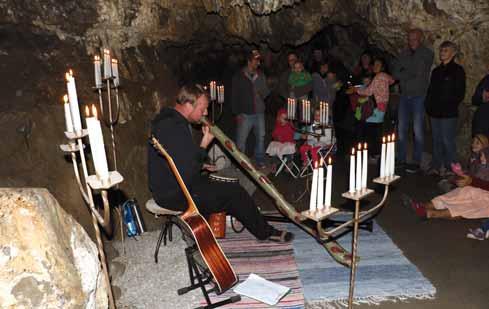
x=200, y=277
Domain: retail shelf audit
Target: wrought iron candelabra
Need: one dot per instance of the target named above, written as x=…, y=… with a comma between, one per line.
x=86, y=185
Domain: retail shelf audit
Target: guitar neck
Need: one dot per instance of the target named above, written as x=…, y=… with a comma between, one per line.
x=192, y=209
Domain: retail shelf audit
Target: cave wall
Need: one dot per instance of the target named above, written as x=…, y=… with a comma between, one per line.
x=159, y=41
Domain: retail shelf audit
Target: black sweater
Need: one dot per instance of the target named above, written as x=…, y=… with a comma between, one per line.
x=174, y=134
x=446, y=90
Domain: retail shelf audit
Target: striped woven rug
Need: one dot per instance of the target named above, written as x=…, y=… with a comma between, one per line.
x=272, y=261
x=383, y=273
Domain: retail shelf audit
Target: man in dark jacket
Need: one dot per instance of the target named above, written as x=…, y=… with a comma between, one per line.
x=480, y=122
x=249, y=90
x=445, y=93
x=172, y=127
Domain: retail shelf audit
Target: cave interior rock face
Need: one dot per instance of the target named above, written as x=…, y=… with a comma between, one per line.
x=159, y=43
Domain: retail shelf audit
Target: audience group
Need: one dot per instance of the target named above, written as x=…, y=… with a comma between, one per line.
x=359, y=107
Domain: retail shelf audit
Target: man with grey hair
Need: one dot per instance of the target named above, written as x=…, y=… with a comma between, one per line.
x=445, y=93
x=412, y=69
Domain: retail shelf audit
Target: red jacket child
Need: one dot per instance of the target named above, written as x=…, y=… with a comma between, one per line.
x=283, y=131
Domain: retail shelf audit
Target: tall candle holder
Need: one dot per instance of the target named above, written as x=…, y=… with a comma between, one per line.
x=110, y=83
x=75, y=145
x=320, y=215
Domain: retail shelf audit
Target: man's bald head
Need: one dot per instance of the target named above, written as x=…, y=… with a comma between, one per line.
x=415, y=38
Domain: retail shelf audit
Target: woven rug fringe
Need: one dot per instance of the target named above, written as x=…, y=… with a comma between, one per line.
x=371, y=300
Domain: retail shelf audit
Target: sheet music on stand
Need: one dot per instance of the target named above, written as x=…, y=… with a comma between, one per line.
x=261, y=289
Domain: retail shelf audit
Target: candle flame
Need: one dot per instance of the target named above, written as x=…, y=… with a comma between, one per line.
x=65, y=99
x=106, y=51
x=67, y=76
x=383, y=139
x=94, y=111
x=388, y=138
x=359, y=146
x=96, y=58
x=316, y=164
x=393, y=136
x=353, y=151
x=87, y=111
x=330, y=160
x=114, y=61
x=365, y=146
x=71, y=72
x=321, y=162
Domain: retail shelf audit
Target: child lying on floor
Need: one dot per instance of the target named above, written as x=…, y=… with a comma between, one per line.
x=470, y=199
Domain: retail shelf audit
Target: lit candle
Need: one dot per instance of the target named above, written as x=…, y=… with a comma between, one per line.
x=115, y=72
x=97, y=144
x=327, y=113
x=73, y=98
x=288, y=108
x=294, y=109
x=393, y=154
x=352, y=170
x=220, y=94
x=329, y=183
x=382, y=158
x=213, y=90
x=364, y=166
x=107, y=64
x=320, y=202
x=358, y=182
x=314, y=188
x=69, y=122
x=98, y=73
x=388, y=157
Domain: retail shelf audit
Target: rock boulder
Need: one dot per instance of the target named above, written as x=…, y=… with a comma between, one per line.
x=46, y=259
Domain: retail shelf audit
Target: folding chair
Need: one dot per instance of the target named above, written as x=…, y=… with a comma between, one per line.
x=326, y=136
x=284, y=152
x=287, y=162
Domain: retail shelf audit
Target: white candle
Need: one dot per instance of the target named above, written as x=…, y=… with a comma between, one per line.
x=327, y=113
x=107, y=64
x=220, y=94
x=98, y=73
x=358, y=181
x=115, y=72
x=73, y=98
x=388, y=157
x=393, y=154
x=294, y=109
x=320, y=201
x=314, y=188
x=329, y=183
x=97, y=145
x=289, y=109
x=68, y=121
x=352, y=171
x=364, y=166
x=213, y=90
x=382, y=158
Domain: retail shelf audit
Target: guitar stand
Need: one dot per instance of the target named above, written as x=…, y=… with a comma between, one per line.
x=200, y=278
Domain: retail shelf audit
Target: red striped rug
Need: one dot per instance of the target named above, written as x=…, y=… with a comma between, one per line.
x=272, y=261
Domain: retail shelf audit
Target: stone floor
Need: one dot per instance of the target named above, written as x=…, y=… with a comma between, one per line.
x=455, y=265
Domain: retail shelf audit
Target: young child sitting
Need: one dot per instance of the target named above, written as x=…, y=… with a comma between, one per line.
x=283, y=142
x=471, y=199
x=313, y=142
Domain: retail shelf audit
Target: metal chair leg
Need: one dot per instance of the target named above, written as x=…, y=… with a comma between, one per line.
x=160, y=238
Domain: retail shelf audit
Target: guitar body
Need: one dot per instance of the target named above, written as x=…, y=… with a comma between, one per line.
x=219, y=266
x=210, y=251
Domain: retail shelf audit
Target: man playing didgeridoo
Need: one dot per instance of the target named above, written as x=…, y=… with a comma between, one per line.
x=172, y=127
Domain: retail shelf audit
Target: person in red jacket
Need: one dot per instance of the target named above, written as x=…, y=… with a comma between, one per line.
x=283, y=142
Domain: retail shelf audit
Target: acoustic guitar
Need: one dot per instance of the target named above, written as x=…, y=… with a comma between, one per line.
x=212, y=254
